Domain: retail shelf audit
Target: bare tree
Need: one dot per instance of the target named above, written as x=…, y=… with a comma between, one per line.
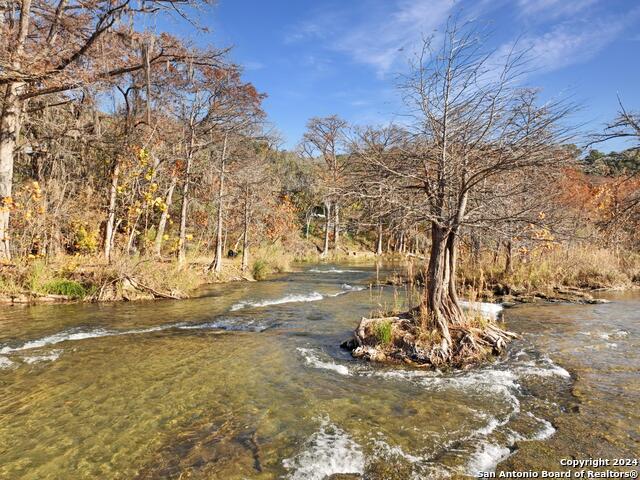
x=469, y=125
x=325, y=138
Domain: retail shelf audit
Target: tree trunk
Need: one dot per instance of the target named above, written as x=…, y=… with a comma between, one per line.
x=327, y=213
x=9, y=130
x=379, y=242
x=508, y=268
x=496, y=252
x=132, y=234
x=336, y=226
x=307, y=225
x=162, y=224
x=9, y=127
x=245, y=235
x=441, y=302
x=183, y=212
x=109, y=230
x=216, y=265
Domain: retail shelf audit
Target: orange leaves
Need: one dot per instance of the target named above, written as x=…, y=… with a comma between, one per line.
x=283, y=220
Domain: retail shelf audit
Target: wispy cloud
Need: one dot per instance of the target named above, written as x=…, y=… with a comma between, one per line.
x=570, y=43
x=554, y=8
x=253, y=65
x=378, y=37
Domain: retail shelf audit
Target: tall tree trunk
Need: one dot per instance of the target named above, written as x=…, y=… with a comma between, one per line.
x=441, y=301
x=9, y=127
x=9, y=131
x=216, y=265
x=327, y=213
x=336, y=226
x=162, y=224
x=496, y=252
x=307, y=225
x=109, y=230
x=185, y=198
x=379, y=242
x=132, y=234
x=183, y=213
x=508, y=268
x=245, y=235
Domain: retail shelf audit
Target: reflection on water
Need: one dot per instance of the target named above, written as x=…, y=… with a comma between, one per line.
x=248, y=382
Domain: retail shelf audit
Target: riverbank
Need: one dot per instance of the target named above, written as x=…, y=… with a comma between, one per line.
x=130, y=278
x=566, y=274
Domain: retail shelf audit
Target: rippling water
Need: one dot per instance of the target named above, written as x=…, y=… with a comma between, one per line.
x=248, y=382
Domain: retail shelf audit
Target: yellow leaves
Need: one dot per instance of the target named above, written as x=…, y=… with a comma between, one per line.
x=541, y=215
x=165, y=237
x=143, y=156
x=153, y=187
x=158, y=203
x=189, y=237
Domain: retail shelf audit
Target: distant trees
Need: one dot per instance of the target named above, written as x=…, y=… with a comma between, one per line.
x=325, y=139
x=618, y=197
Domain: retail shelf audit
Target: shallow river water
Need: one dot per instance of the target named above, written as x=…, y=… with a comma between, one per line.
x=248, y=382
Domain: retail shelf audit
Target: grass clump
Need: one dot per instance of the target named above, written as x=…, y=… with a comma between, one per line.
x=260, y=269
x=383, y=331
x=62, y=286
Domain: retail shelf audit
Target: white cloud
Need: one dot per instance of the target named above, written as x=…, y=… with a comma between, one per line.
x=568, y=44
x=378, y=37
x=252, y=65
x=554, y=8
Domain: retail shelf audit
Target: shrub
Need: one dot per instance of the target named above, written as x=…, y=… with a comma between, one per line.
x=260, y=269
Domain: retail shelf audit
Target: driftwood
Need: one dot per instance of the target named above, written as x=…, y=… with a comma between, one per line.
x=145, y=288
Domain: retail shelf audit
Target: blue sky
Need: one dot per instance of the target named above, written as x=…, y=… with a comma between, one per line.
x=324, y=57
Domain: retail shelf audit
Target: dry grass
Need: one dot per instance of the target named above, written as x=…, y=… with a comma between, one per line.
x=568, y=266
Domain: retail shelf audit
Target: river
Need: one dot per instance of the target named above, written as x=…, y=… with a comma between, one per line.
x=248, y=382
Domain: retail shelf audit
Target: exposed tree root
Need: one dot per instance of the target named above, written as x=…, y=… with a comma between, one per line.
x=404, y=338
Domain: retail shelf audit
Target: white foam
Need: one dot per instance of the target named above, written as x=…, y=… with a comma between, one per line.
x=350, y=288
x=332, y=270
x=387, y=451
x=546, y=431
x=327, y=452
x=491, y=425
x=488, y=310
x=618, y=334
x=80, y=335
x=547, y=369
x=312, y=359
x=486, y=458
x=6, y=363
x=292, y=298
x=232, y=325
x=47, y=357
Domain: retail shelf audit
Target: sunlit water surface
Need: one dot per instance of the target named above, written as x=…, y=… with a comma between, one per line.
x=249, y=381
